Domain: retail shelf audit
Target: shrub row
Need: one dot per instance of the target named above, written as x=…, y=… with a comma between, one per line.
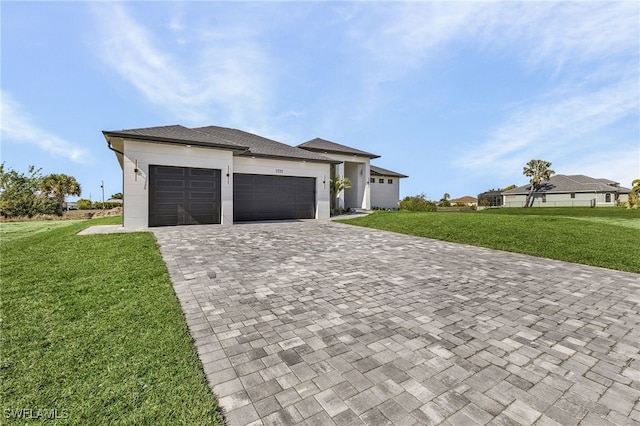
x=418, y=203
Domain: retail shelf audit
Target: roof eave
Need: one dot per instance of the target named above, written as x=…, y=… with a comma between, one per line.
x=331, y=151
x=397, y=175
x=172, y=141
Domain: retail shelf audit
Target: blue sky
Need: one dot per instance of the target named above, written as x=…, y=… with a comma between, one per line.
x=459, y=96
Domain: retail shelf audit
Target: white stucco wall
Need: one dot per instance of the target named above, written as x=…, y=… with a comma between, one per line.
x=136, y=188
x=385, y=195
x=268, y=166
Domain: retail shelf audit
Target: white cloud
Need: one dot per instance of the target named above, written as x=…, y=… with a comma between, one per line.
x=599, y=44
x=17, y=126
x=554, y=126
x=212, y=73
x=622, y=166
x=568, y=32
x=403, y=35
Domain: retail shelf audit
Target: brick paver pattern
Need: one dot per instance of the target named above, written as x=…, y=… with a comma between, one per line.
x=321, y=323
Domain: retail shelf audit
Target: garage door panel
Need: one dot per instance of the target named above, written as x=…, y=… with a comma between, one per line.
x=168, y=196
x=201, y=197
x=169, y=184
x=267, y=197
x=170, y=171
x=202, y=185
x=183, y=196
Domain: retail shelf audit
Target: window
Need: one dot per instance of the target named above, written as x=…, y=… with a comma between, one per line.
x=607, y=198
x=389, y=181
x=573, y=195
x=544, y=198
x=372, y=180
x=380, y=180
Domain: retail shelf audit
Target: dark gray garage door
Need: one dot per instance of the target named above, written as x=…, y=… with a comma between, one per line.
x=183, y=196
x=260, y=197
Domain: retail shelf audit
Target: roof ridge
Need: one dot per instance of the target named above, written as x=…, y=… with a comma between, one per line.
x=262, y=146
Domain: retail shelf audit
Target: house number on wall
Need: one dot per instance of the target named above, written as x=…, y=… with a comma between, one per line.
x=280, y=171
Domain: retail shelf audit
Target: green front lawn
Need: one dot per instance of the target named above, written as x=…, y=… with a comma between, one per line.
x=10, y=231
x=91, y=328
x=606, y=237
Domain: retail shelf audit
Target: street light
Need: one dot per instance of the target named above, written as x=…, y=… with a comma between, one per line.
x=102, y=187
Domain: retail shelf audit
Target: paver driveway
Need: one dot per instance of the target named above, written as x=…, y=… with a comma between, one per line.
x=324, y=323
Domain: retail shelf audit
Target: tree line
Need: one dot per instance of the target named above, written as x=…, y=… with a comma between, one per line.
x=32, y=193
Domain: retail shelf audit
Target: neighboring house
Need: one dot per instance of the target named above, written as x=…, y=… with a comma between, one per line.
x=467, y=200
x=569, y=190
x=385, y=188
x=174, y=175
x=114, y=201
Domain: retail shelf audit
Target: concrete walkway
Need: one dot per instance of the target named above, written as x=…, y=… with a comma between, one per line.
x=322, y=323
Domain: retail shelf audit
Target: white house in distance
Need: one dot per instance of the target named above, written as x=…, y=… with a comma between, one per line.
x=174, y=175
x=569, y=191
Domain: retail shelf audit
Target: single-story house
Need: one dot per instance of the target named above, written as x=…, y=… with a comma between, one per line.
x=467, y=200
x=174, y=175
x=569, y=191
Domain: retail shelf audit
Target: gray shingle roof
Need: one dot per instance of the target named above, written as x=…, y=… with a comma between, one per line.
x=572, y=183
x=321, y=145
x=379, y=171
x=176, y=134
x=260, y=146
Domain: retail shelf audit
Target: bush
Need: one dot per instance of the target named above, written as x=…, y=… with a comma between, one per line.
x=21, y=195
x=418, y=203
x=107, y=206
x=83, y=204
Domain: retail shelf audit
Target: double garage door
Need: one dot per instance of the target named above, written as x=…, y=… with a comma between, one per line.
x=183, y=196
x=189, y=196
x=262, y=197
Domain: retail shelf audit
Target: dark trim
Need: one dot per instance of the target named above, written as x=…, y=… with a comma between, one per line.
x=122, y=182
x=113, y=149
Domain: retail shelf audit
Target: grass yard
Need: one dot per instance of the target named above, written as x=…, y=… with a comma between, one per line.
x=606, y=237
x=10, y=231
x=91, y=328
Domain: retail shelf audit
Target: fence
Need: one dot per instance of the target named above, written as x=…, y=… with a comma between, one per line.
x=563, y=203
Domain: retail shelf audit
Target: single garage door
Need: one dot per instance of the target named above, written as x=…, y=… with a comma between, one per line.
x=262, y=197
x=183, y=196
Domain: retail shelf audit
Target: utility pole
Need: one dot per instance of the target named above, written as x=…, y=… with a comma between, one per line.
x=102, y=186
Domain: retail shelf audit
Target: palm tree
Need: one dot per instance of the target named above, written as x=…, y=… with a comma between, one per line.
x=444, y=201
x=337, y=185
x=538, y=171
x=60, y=185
